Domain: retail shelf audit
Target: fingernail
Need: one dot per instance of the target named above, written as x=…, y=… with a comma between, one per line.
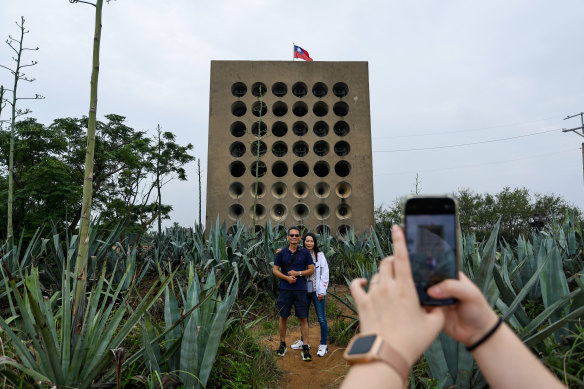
x=435, y=290
x=394, y=228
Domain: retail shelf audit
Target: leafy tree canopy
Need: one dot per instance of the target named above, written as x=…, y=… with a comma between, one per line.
x=49, y=165
x=519, y=210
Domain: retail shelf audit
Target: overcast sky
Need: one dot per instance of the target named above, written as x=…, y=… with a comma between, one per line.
x=441, y=73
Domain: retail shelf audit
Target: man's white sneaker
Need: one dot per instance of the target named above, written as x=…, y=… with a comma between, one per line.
x=322, y=350
x=298, y=345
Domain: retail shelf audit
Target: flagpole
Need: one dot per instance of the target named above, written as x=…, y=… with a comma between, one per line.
x=293, y=51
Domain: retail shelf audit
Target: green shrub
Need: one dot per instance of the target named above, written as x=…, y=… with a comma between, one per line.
x=243, y=363
x=268, y=327
x=341, y=332
x=331, y=309
x=567, y=360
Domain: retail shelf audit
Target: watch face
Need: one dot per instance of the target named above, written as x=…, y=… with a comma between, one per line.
x=362, y=345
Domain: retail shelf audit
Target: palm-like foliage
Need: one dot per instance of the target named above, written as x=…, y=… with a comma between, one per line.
x=543, y=270
x=508, y=278
x=190, y=347
x=62, y=354
x=50, y=255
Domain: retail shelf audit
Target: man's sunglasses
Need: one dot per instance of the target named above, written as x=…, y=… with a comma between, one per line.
x=294, y=236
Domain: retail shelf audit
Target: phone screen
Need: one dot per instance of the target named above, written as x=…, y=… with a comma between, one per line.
x=430, y=225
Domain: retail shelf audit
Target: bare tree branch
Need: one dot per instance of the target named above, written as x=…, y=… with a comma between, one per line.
x=36, y=97
x=30, y=64
x=80, y=1
x=9, y=44
x=18, y=76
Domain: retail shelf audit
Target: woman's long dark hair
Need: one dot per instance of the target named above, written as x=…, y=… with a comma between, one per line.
x=315, y=248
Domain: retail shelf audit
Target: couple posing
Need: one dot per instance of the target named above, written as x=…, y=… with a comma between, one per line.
x=304, y=277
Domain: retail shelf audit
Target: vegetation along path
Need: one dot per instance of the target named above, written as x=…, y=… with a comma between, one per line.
x=321, y=372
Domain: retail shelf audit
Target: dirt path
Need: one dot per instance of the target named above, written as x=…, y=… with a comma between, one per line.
x=321, y=372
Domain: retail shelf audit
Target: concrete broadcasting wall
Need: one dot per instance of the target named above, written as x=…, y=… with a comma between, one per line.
x=314, y=140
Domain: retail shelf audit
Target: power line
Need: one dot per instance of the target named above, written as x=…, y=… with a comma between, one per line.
x=464, y=130
x=538, y=156
x=466, y=144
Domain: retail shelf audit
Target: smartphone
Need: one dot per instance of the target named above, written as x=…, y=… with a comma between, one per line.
x=430, y=224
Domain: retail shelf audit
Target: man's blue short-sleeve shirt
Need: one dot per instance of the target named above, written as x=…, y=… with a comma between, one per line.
x=286, y=260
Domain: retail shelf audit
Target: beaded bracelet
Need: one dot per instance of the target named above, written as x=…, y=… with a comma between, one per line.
x=487, y=336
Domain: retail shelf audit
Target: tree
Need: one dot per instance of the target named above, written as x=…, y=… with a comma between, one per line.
x=81, y=261
x=2, y=104
x=417, y=185
x=46, y=188
x=17, y=45
x=517, y=209
x=520, y=212
x=121, y=166
x=386, y=217
x=168, y=159
x=48, y=174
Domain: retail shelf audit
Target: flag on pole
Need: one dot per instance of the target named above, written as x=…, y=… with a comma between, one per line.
x=299, y=52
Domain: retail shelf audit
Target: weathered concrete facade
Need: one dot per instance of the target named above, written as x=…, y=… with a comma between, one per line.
x=313, y=125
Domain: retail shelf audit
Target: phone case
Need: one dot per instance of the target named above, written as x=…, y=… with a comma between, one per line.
x=423, y=296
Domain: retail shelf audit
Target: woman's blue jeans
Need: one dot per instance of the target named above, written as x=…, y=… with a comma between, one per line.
x=319, y=307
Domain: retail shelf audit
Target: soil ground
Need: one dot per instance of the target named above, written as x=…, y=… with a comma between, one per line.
x=321, y=372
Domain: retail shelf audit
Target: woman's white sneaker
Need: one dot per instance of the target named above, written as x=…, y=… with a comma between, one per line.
x=322, y=350
x=297, y=345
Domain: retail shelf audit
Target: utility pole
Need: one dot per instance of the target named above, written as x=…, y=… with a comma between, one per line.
x=574, y=130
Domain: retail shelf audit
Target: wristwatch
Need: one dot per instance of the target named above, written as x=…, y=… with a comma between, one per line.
x=300, y=274
x=365, y=348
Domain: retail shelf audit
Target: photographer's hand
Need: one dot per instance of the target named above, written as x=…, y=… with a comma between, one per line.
x=392, y=309
x=472, y=317
x=503, y=359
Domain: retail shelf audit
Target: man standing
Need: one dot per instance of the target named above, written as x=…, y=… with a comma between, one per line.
x=291, y=266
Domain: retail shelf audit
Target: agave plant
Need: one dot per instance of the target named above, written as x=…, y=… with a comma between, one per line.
x=508, y=278
x=62, y=354
x=18, y=261
x=190, y=348
x=10, y=261
x=365, y=271
x=171, y=247
x=50, y=254
x=350, y=251
x=247, y=253
x=219, y=248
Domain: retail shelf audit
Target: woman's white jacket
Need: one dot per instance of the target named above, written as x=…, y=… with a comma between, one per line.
x=322, y=274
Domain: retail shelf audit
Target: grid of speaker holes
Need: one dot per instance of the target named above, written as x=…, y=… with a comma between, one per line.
x=300, y=148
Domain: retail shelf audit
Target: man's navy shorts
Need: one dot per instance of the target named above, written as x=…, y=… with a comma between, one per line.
x=287, y=298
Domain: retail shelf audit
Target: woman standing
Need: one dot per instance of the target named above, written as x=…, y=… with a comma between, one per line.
x=320, y=280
